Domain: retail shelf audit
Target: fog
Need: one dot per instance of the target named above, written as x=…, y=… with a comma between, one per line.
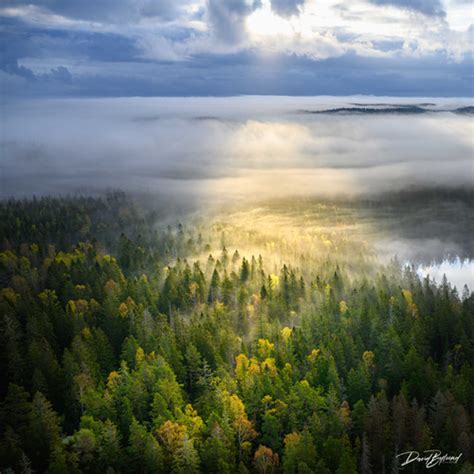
x=216, y=149
x=458, y=273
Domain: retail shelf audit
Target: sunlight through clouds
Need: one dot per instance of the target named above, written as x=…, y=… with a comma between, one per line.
x=264, y=22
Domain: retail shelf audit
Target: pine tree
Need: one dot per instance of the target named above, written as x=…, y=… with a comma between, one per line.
x=365, y=464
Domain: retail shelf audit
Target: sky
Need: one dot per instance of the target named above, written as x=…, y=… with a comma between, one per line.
x=110, y=48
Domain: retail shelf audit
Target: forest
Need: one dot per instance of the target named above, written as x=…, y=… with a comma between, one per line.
x=132, y=343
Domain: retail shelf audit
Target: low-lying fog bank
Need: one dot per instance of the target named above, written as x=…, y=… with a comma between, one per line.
x=212, y=150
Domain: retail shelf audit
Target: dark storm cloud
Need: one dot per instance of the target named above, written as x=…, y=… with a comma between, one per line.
x=287, y=7
x=428, y=7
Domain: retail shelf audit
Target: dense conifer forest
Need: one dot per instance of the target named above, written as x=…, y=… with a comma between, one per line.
x=134, y=344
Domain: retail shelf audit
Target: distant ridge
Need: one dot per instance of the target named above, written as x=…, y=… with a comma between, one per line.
x=468, y=110
x=388, y=109
x=423, y=104
x=409, y=109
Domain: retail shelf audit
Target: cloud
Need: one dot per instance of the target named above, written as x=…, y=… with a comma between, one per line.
x=12, y=67
x=113, y=11
x=227, y=19
x=20, y=40
x=15, y=44
x=427, y=7
x=61, y=74
x=286, y=8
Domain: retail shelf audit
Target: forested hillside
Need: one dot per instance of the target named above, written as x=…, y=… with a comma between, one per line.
x=130, y=345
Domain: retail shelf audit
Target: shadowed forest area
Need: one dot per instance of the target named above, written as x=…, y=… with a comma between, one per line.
x=279, y=339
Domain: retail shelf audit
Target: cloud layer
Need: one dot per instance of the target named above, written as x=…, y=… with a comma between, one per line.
x=212, y=47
